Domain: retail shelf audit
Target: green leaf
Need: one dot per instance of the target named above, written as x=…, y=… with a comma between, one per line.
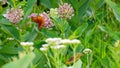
x=10, y=50
x=30, y=36
x=11, y=2
x=75, y=3
x=21, y=63
x=21, y=4
x=78, y=32
x=4, y=22
x=78, y=64
x=28, y=9
x=82, y=10
x=49, y=3
x=104, y=29
x=49, y=33
x=11, y=30
x=114, y=34
x=3, y=58
x=46, y=3
x=64, y=66
x=40, y=60
x=116, y=8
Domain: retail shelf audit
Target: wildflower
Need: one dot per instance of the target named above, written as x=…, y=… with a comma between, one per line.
x=117, y=43
x=87, y=50
x=75, y=41
x=65, y=41
x=42, y=20
x=33, y=15
x=26, y=43
x=43, y=49
x=14, y=15
x=58, y=46
x=48, y=23
x=53, y=13
x=53, y=40
x=45, y=45
x=10, y=38
x=65, y=11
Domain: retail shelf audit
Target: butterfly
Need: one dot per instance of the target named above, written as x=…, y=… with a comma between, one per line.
x=39, y=20
x=77, y=57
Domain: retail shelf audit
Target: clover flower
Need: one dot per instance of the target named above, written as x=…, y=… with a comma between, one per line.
x=14, y=15
x=33, y=15
x=48, y=23
x=66, y=11
x=43, y=20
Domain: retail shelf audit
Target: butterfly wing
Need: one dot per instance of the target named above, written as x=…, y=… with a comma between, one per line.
x=40, y=22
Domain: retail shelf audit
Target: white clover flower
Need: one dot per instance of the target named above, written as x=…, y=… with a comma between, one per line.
x=65, y=41
x=117, y=43
x=43, y=49
x=26, y=43
x=75, y=41
x=10, y=38
x=87, y=50
x=53, y=40
x=45, y=45
x=58, y=46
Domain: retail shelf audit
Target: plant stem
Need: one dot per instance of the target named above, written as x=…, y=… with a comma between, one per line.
x=88, y=61
x=74, y=52
x=48, y=61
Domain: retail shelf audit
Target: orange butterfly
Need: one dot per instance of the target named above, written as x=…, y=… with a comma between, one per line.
x=39, y=20
x=77, y=57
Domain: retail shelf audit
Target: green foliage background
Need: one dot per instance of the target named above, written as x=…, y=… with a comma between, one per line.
x=96, y=23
